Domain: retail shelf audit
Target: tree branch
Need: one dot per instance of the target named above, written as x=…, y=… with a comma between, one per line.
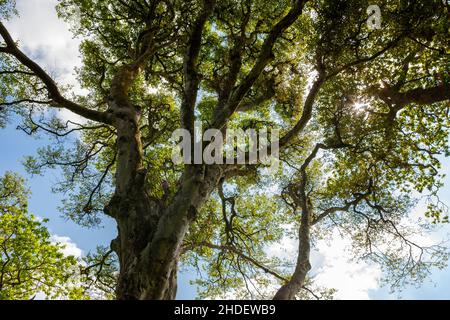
x=420, y=96
x=222, y=113
x=243, y=256
x=306, y=113
x=191, y=78
x=53, y=91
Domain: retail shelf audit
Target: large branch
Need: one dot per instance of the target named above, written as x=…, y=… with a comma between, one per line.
x=344, y=208
x=290, y=289
x=391, y=44
x=265, y=56
x=236, y=53
x=53, y=91
x=420, y=96
x=306, y=113
x=287, y=138
x=191, y=78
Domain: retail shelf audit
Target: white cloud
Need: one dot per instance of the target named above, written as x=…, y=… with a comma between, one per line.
x=352, y=280
x=45, y=37
x=48, y=41
x=285, y=249
x=70, y=249
x=332, y=267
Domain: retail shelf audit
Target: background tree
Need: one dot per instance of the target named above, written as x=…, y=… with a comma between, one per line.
x=363, y=116
x=30, y=262
x=33, y=265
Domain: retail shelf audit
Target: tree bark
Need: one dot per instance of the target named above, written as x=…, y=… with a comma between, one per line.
x=150, y=237
x=289, y=290
x=149, y=234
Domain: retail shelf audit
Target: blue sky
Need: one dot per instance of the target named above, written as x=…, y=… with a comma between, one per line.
x=39, y=31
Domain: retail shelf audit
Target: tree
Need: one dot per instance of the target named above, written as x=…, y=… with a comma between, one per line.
x=33, y=264
x=30, y=262
x=363, y=115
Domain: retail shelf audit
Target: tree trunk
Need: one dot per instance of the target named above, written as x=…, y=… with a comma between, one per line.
x=289, y=290
x=150, y=237
x=150, y=233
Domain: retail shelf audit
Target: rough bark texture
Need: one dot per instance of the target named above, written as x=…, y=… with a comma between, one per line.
x=149, y=233
x=150, y=236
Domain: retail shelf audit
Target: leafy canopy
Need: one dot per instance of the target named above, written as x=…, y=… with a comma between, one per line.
x=363, y=113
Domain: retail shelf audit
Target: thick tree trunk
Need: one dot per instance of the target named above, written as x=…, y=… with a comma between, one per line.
x=150, y=237
x=163, y=251
x=150, y=234
x=136, y=217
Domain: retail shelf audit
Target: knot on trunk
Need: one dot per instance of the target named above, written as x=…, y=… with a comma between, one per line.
x=192, y=213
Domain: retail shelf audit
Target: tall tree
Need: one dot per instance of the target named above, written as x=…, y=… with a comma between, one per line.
x=363, y=115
